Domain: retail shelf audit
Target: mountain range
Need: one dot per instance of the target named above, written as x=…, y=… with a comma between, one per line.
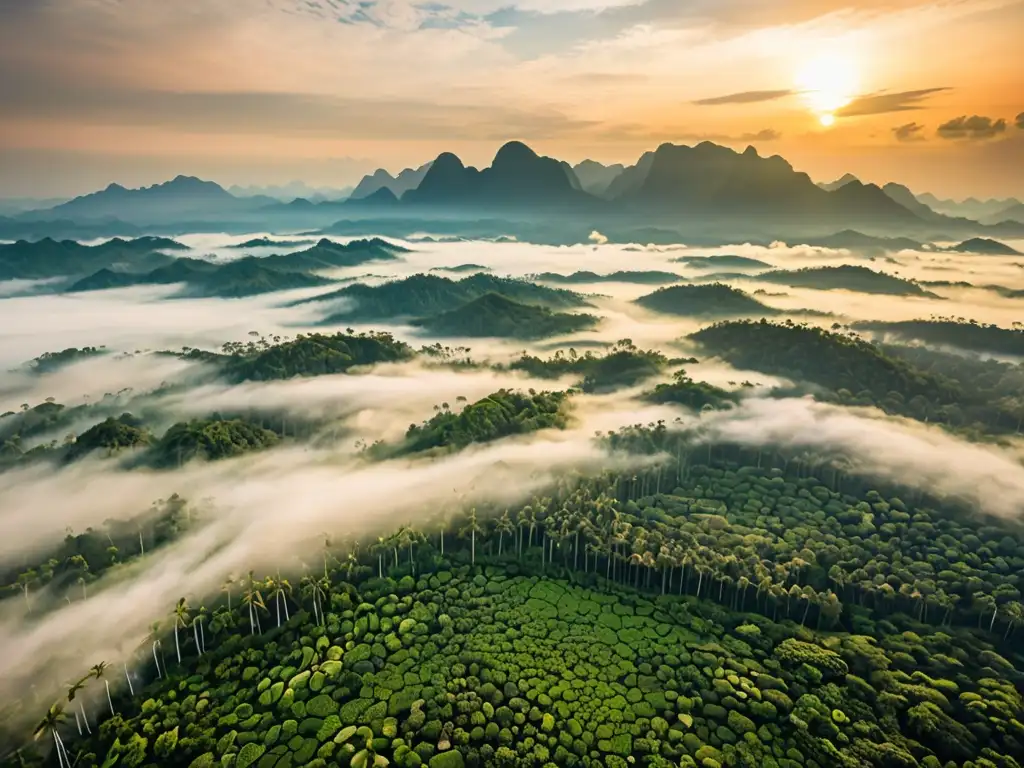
x=705, y=188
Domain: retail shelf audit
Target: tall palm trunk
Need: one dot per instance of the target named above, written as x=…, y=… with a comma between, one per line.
x=110, y=702
x=85, y=719
x=131, y=688
x=177, y=644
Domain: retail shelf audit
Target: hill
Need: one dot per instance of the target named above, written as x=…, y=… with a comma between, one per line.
x=985, y=246
x=595, y=177
x=180, y=197
x=209, y=440
x=494, y=315
x=424, y=295
x=462, y=269
x=847, y=278
x=407, y=179
x=1012, y=212
x=722, y=261
x=712, y=180
x=643, y=277
x=327, y=254
x=852, y=371
x=710, y=300
x=967, y=336
x=852, y=240
x=108, y=437
x=48, y=258
x=245, y=277
x=313, y=354
x=266, y=242
x=906, y=198
x=51, y=361
x=517, y=177
x=842, y=181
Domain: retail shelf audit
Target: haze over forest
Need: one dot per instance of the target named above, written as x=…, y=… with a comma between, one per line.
x=602, y=416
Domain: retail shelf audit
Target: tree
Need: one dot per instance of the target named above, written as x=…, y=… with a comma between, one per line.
x=98, y=671
x=254, y=600
x=180, y=620
x=51, y=721
x=471, y=529
x=505, y=527
x=73, y=689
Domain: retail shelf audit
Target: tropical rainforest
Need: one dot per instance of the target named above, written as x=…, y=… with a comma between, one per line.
x=485, y=520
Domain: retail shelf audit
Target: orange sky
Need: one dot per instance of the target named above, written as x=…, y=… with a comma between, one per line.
x=266, y=91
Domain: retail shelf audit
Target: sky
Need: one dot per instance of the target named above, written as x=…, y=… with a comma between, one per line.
x=929, y=94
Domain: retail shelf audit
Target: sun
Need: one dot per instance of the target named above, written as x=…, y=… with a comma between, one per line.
x=827, y=83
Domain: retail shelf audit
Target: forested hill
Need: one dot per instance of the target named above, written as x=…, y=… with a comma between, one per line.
x=500, y=414
x=495, y=315
x=953, y=333
x=313, y=354
x=424, y=295
x=711, y=300
x=846, y=277
x=642, y=277
x=857, y=372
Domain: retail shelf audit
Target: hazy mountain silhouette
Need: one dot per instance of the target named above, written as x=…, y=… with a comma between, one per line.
x=972, y=208
x=517, y=177
x=383, y=196
x=407, y=179
x=842, y=181
x=631, y=178
x=179, y=197
x=709, y=179
x=985, y=246
x=48, y=258
x=1013, y=212
x=596, y=177
x=906, y=198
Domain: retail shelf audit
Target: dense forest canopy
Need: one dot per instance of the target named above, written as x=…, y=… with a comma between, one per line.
x=710, y=300
x=953, y=332
x=495, y=315
x=848, y=278
x=521, y=578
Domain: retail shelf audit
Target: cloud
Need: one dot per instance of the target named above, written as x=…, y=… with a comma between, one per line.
x=975, y=127
x=598, y=238
x=909, y=132
x=744, y=97
x=882, y=103
x=893, y=449
x=642, y=132
x=1019, y=121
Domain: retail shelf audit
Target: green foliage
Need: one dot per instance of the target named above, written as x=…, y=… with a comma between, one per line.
x=847, y=278
x=314, y=354
x=498, y=415
x=710, y=300
x=495, y=315
x=209, y=440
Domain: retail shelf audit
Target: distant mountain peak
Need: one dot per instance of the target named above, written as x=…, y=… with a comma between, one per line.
x=513, y=152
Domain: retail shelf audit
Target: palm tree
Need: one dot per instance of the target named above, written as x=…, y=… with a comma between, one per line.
x=504, y=526
x=312, y=586
x=73, y=689
x=254, y=600
x=51, y=721
x=472, y=528
x=180, y=620
x=197, y=629
x=154, y=637
x=380, y=546
x=98, y=671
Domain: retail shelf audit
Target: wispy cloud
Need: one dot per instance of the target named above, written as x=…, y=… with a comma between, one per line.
x=975, y=127
x=744, y=97
x=882, y=103
x=909, y=132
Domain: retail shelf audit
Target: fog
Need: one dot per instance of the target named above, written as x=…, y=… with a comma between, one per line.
x=875, y=445
x=269, y=510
